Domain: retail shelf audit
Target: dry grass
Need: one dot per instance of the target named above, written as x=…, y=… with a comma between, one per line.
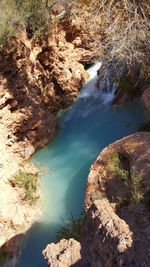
x=124, y=32
x=28, y=182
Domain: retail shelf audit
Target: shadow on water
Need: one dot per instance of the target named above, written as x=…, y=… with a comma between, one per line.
x=41, y=234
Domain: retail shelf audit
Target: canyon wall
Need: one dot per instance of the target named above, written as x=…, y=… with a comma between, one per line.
x=37, y=79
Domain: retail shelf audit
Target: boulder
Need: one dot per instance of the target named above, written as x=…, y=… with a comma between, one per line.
x=63, y=254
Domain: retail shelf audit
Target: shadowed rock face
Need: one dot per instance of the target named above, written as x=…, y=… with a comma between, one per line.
x=114, y=235
x=146, y=98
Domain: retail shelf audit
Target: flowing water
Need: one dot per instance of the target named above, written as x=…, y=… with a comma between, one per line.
x=86, y=128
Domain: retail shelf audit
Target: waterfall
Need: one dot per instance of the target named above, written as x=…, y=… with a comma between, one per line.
x=105, y=94
x=89, y=98
x=93, y=70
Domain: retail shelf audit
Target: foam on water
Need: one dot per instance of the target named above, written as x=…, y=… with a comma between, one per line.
x=93, y=70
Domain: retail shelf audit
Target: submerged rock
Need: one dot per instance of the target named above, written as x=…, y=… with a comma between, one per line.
x=117, y=228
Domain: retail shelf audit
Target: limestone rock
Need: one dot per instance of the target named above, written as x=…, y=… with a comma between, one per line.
x=63, y=254
x=36, y=80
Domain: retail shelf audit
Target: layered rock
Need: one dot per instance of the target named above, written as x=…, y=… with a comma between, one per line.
x=115, y=234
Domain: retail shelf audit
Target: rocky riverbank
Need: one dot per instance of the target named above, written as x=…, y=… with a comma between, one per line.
x=116, y=232
x=37, y=79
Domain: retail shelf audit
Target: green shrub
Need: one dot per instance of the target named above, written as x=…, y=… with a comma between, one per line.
x=34, y=14
x=133, y=182
x=28, y=182
x=99, y=196
x=9, y=16
x=136, y=186
x=72, y=229
x=121, y=202
x=114, y=166
x=31, y=14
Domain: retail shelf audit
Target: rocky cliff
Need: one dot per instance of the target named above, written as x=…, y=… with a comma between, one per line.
x=116, y=232
x=37, y=79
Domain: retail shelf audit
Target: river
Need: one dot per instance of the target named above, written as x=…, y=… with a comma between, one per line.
x=88, y=126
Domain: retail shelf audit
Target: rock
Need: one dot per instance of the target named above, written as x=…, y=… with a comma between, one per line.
x=115, y=236
x=63, y=254
x=146, y=98
x=16, y=215
x=61, y=60
x=37, y=79
x=121, y=231
x=135, y=149
x=13, y=245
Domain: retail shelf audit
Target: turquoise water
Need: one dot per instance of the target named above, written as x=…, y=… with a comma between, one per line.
x=86, y=128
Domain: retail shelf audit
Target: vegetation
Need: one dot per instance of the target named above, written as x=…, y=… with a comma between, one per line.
x=8, y=18
x=99, y=196
x=122, y=32
x=32, y=15
x=128, y=31
x=72, y=229
x=114, y=166
x=28, y=182
x=136, y=186
x=121, y=202
x=131, y=178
